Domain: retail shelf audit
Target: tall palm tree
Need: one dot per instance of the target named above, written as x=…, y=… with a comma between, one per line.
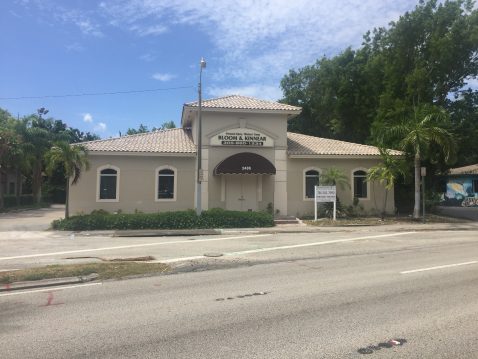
x=386, y=173
x=416, y=135
x=334, y=177
x=74, y=160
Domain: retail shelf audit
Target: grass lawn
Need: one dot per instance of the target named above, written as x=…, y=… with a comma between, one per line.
x=376, y=221
x=110, y=270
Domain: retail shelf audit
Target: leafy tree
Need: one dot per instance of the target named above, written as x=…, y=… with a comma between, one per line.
x=141, y=129
x=8, y=143
x=387, y=173
x=427, y=126
x=168, y=125
x=73, y=159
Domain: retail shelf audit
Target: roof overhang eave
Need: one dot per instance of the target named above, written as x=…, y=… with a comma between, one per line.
x=334, y=156
x=138, y=153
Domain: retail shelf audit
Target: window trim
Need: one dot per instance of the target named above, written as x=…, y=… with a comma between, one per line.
x=156, y=183
x=98, y=181
x=353, y=184
x=304, y=197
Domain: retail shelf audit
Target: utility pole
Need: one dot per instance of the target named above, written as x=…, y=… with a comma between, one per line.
x=202, y=65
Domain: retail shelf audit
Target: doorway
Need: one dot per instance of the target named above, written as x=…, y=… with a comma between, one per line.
x=241, y=193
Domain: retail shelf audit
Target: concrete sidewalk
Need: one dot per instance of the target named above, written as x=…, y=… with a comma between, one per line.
x=287, y=228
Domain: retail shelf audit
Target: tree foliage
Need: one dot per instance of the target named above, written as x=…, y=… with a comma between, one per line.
x=426, y=57
x=24, y=143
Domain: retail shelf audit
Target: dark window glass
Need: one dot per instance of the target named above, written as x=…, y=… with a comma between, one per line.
x=311, y=180
x=11, y=188
x=108, y=180
x=166, y=184
x=360, y=184
x=108, y=171
x=475, y=186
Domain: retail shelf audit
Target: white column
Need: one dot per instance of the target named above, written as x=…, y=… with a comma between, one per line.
x=280, y=182
x=205, y=182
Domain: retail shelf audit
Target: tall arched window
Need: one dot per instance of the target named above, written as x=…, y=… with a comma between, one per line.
x=108, y=184
x=166, y=184
x=311, y=179
x=360, y=184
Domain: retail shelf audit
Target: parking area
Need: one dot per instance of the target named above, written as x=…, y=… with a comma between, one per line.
x=31, y=220
x=470, y=213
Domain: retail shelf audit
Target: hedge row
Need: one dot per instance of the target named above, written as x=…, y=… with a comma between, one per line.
x=213, y=218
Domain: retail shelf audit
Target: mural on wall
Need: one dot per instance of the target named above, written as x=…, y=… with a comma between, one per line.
x=459, y=192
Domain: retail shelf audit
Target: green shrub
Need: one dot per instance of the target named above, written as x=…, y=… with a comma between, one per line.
x=213, y=218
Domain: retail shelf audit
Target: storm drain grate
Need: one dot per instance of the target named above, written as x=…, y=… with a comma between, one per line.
x=388, y=344
x=242, y=296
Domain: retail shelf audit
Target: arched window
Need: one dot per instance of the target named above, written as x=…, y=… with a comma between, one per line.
x=360, y=184
x=311, y=179
x=166, y=184
x=108, y=184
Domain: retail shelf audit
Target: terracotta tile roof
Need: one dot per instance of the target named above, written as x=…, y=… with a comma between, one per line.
x=298, y=144
x=176, y=140
x=465, y=170
x=244, y=102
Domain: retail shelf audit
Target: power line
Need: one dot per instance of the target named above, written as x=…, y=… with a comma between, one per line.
x=96, y=93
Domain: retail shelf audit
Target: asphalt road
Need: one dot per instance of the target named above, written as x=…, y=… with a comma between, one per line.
x=324, y=301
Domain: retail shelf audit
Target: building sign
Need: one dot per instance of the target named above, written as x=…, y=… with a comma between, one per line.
x=325, y=193
x=242, y=137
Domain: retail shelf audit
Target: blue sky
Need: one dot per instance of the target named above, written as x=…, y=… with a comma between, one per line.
x=57, y=47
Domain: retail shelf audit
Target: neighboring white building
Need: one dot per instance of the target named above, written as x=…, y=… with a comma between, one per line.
x=249, y=160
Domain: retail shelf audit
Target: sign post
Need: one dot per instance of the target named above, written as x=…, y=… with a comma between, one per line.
x=423, y=172
x=325, y=194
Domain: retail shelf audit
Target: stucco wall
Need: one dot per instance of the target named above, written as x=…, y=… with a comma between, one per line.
x=299, y=206
x=137, y=184
x=272, y=125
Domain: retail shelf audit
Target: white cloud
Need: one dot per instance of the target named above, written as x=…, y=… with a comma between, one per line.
x=163, y=77
x=147, y=57
x=75, y=47
x=56, y=11
x=87, y=27
x=148, y=30
x=267, y=92
x=87, y=117
x=100, y=127
x=263, y=39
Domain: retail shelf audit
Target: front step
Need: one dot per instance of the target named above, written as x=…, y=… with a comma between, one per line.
x=286, y=220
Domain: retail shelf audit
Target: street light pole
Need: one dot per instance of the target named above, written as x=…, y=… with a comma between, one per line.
x=202, y=65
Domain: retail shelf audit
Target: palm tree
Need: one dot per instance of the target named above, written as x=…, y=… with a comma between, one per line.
x=74, y=160
x=386, y=173
x=333, y=177
x=426, y=127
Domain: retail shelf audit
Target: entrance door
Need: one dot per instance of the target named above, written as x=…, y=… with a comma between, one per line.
x=241, y=193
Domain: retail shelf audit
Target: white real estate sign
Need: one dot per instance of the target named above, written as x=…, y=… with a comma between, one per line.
x=325, y=194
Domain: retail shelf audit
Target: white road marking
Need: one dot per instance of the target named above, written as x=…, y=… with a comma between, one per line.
x=181, y=259
x=130, y=246
x=49, y=289
x=438, y=267
x=8, y=270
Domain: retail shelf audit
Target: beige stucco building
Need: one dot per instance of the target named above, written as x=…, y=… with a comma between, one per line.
x=249, y=161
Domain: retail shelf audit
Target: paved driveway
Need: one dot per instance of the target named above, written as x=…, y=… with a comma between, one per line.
x=30, y=220
x=470, y=213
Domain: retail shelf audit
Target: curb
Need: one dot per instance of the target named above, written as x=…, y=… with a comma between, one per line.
x=44, y=283
x=166, y=232
x=278, y=229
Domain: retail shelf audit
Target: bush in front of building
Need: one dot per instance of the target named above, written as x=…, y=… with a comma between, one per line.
x=213, y=218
